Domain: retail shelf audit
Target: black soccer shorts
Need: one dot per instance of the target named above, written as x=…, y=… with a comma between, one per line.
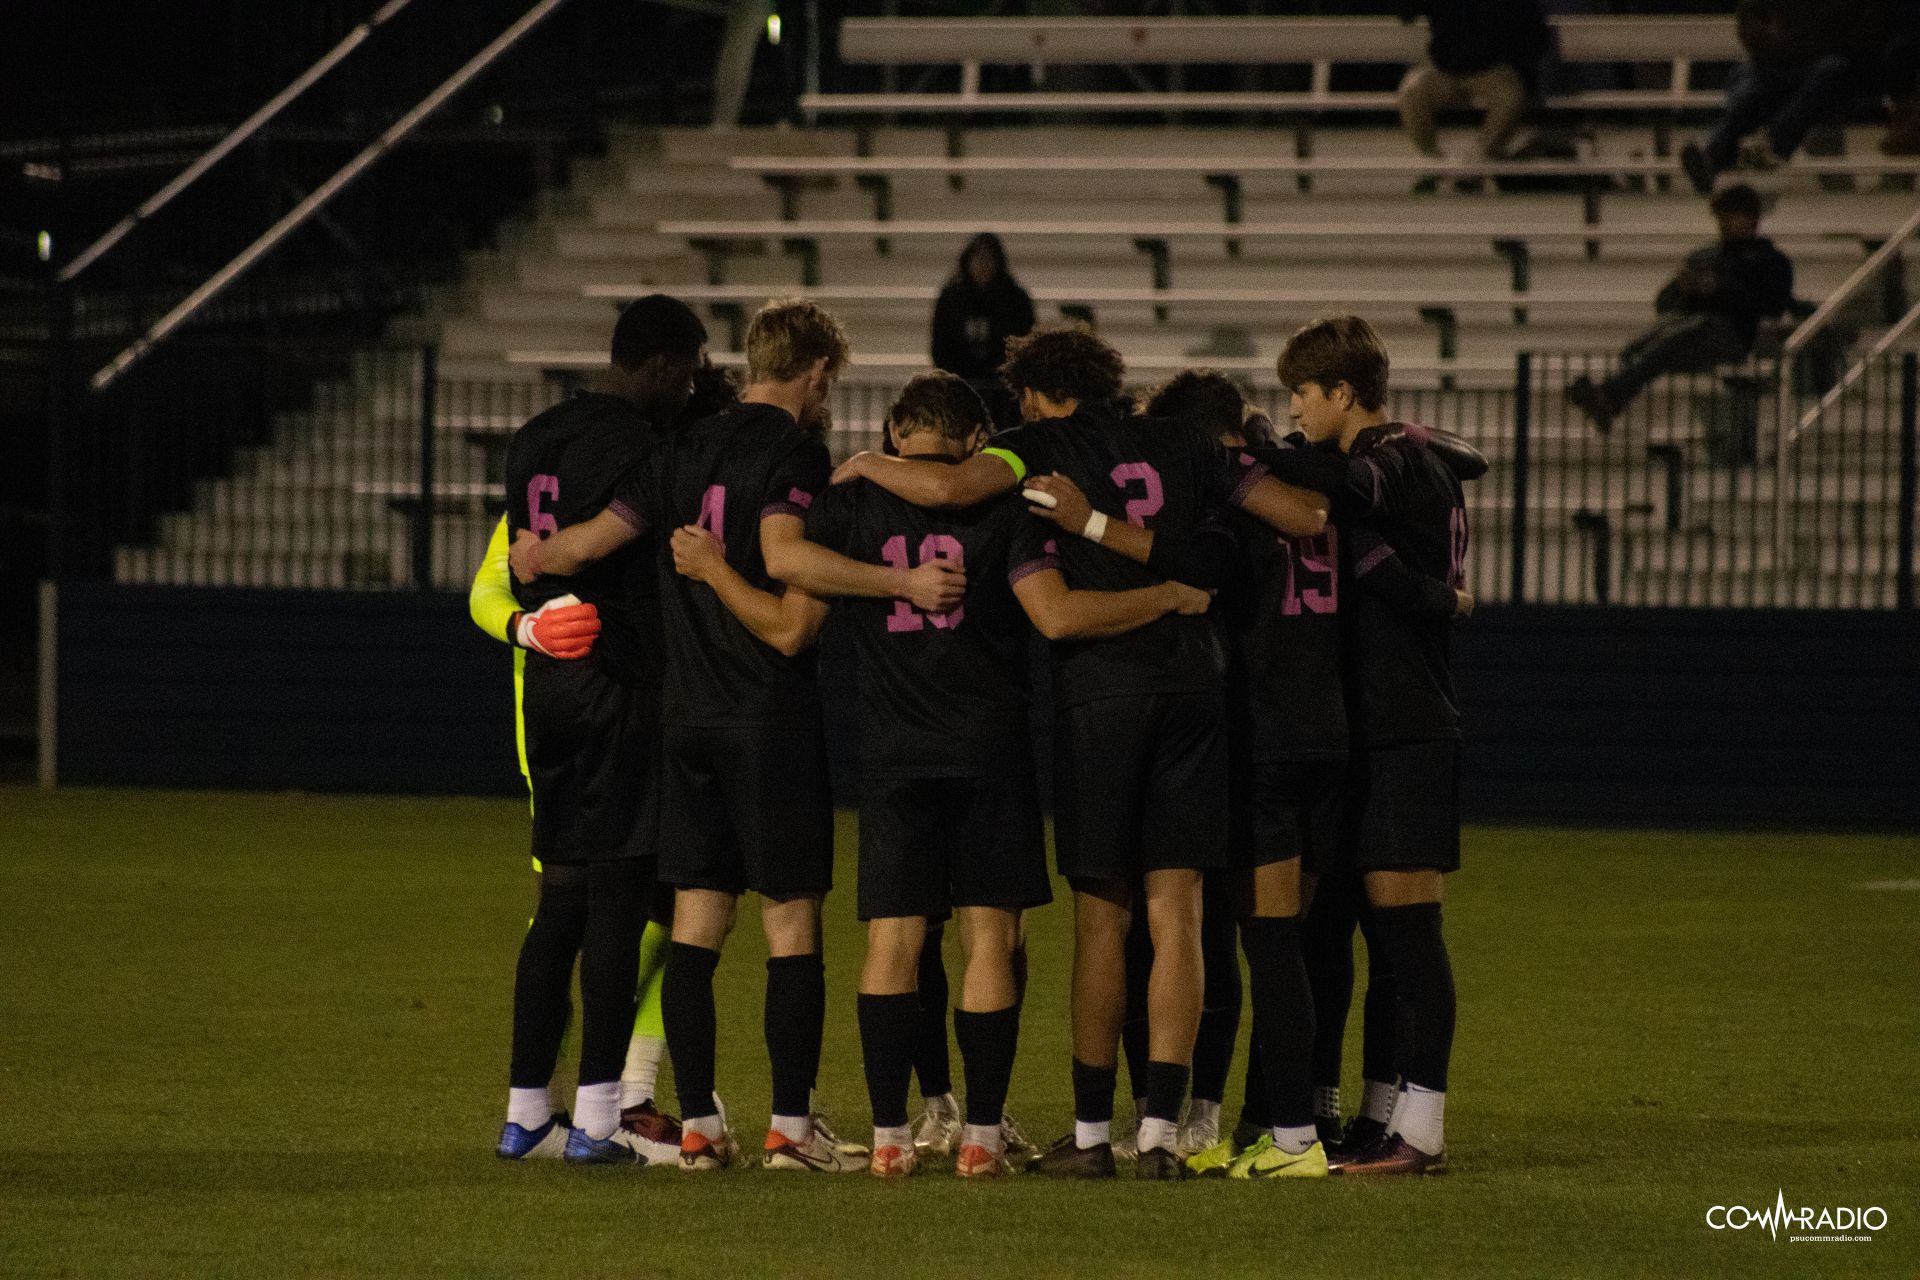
x=930, y=845
x=592, y=761
x=1140, y=784
x=746, y=807
x=1287, y=809
x=1402, y=810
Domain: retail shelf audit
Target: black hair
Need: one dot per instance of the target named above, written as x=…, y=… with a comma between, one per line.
x=656, y=325
x=991, y=243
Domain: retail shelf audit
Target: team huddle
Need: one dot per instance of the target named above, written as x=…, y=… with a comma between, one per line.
x=1254, y=738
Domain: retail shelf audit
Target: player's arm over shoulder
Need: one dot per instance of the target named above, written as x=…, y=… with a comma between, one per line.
x=937, y=484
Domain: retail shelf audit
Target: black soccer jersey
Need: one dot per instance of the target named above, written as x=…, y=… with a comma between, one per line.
x=563, y=467
x=1399, y=667
x=1156, y=475
x=1282, y=608
x=941, y=695
x=724, y=474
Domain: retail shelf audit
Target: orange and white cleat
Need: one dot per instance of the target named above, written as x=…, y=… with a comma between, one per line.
x=975, y=1161
x=893, y=1162
x=701, y=1154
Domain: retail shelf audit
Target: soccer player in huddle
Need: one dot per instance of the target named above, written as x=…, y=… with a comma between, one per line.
x=590, y=712
x=745, y=800
x=1402, y=822
x=568, y=632
x=949, y=813
x=1140, y=744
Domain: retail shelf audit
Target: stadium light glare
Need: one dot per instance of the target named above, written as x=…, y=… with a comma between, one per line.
x=773, y=28
x=45, y=244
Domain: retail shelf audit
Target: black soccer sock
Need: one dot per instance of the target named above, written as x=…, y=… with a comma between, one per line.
x=1253, y=1107
x=988, y=1042
x=543, y=978
x=887, y=1029
x=686, y=1007
x=795, y=1019
x=930, y=1059
x=1093, y=1093
x=1412, y=939
x=1326, y=944
x=1220, y=1005
x=1283, y=1013
x=1166, y=1090
x=1383, y=1020
x=610, y=966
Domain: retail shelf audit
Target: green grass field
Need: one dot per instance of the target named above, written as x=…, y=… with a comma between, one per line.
x=266, y=1035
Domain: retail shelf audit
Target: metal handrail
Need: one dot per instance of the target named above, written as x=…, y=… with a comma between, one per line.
x=326, y=191
x=246, y=129
x=1886, y=343
x=1785, y=435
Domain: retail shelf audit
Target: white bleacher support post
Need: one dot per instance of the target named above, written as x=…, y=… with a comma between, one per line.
x=970, y=80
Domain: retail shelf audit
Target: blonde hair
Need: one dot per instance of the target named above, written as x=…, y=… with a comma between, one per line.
x=788, y=335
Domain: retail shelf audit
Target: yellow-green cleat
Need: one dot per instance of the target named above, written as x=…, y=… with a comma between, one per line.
x=1265, y=1160
x=1214, y=1161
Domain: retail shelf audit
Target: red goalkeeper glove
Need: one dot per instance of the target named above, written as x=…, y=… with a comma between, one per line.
x=560, y=628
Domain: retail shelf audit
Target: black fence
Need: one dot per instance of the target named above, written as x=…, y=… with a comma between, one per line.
x=380, y=470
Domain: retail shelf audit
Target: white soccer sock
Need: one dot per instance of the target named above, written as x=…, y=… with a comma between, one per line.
x=708, y=1127
x=1295, y=1139
x=1377, y=1102
x=901, y=1137
x=1420, y=1118
x=596, y=1108
x=1326, y=1101
x=642, y=1073
x=1091, y=1133
x=529, y=1108
x=1202, y=1111
x=1155, y=1132
x=794, y=1128
x=985, y=1136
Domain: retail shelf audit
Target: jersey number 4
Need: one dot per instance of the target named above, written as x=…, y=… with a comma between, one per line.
x=935, y=546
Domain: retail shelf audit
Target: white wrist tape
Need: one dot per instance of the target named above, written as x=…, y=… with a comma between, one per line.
x=1096, y=527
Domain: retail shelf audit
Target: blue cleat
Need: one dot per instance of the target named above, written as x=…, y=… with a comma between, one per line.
x=544, y=1143
x=622, y=1148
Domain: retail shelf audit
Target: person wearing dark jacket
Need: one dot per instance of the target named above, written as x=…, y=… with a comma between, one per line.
x=1487, y=53
x=978, y=310
x=1709, y=312
x=1805, y=60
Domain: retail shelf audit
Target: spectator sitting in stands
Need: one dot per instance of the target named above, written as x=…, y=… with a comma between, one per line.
x=1710, y=311
x=978, y=310
x=1805, y=59
x=1487, y=53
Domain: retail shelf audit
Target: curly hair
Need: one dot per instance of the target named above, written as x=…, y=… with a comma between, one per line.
x=1209, y=403
x=1064, y=362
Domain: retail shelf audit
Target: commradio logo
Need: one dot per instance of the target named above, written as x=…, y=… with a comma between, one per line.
x=1836, y=1224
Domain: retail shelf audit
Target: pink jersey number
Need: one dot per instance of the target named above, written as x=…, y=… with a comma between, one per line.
x=1152, y=496
x=935, y=546
x=713, y=513
x=1313, y=575
x=542, y=522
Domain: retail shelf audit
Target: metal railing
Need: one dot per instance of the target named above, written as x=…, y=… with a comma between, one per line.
x=377, y=471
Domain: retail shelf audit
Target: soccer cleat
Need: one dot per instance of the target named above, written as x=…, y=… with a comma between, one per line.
x=938, y=1128
x=1363, y=1134
x=1013, y=1140
x=1065, y=1160
x=1394, y=1154
x=1328, y=1130
x=701, y=1154
x=825, y=1132
x=1129, y=1147
x=975, y=1161
x=1215, y=1160
x=621, y=1148
x=818, y=1154
x=1197, y=1135
x=1160, y=1164
x=893, y=1162
x=1265, y=1160
x=545, y=1143
x=656, y=1135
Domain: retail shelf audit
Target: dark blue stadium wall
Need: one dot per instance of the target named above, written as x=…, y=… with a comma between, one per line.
x=1604, y=715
